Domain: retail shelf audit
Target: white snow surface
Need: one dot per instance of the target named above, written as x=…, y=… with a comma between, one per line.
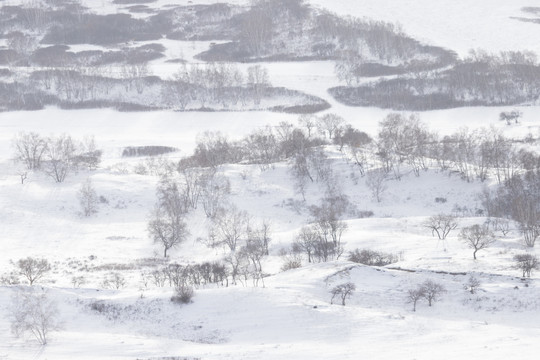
x=291, y=317
x=459, y=25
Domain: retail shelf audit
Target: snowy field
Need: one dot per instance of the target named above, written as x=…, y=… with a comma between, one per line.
x=292, y=316
x=458, y=25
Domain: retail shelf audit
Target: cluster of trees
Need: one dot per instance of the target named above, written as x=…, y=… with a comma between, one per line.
x=291, y=30
x=428, y=290
x=55, y=156
x=518, y=198
x=320, y=240
x=509, y=78
x=132, y=87
x=221, y=83
x=472, y=154
x=231, y=229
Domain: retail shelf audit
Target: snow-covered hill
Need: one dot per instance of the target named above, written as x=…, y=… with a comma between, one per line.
x=292, y=315
x=458, y=25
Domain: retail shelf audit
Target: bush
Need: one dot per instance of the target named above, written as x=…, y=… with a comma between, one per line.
x=132, y=151
x=183, y=294
x=372, y=258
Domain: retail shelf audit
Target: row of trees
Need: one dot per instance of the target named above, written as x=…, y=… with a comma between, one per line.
x=508, y=78
x=518, y=198
x=56, y=156
x=473, y=154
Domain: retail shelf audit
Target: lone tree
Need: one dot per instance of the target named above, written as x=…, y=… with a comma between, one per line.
x=432, y=291
x=413, y=295
x=344, y=291
x=477, y=237
x=376, y=182
x=166, y=226
x=29, y=149
x=88, y=198
x=33, y=269
x=35, y=313
x=441, y=225
x=526, y=263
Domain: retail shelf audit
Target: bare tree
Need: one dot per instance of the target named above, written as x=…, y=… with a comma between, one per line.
x=88, y=198
x=526, y=263
x=166, y=226
x=329, y=124
x=33, y=269
x=306, y=242
x=114, y=280
x=308, y=122
x=59, y=156
x=256, y=29
x=29, y=149
x=441, y=225
x=257, y=81
x=214, y=194
x=34, y=312
x=477, y=237
x=344, y=291
x=376, y=182
x=413, y=295
x=432, y=291
x=229, y=227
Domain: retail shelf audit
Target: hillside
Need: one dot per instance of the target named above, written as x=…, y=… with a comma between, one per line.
x=276, y=188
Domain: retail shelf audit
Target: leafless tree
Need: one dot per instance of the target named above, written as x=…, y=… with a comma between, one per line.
x=308, y=122
x=344, y=291
x=167, y=226
x=306, y=242
x=33, y=269
x=114, y=280
x=329, y=124
x=239, y=265
x=35, y=313
x=29, y=149
x=441, y=225
x=376, y=182
x=477, y=237
x=229, y=227
x=257, y=82
x=413, y=295
x=329, y=227
x=500, y=224
x=432, y=291
x=88, y=198
x=59, y=156
x=255, y=250
x=526, y=263
x=257, y=29
x=214, y=194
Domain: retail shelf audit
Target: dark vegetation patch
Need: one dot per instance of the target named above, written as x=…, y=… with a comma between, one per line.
x=141, y=9
x=510, y=78
x=133, y=1
x=155, y=150
x=102, y=30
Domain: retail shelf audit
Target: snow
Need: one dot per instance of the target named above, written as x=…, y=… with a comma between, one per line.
x=459, y=25
x=291, y=316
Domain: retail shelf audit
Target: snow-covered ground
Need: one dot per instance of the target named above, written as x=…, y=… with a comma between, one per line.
x=459, y=25
x=291, y=316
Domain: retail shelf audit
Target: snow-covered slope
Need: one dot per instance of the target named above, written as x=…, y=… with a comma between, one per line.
x=292, y=316
x=459, y=25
